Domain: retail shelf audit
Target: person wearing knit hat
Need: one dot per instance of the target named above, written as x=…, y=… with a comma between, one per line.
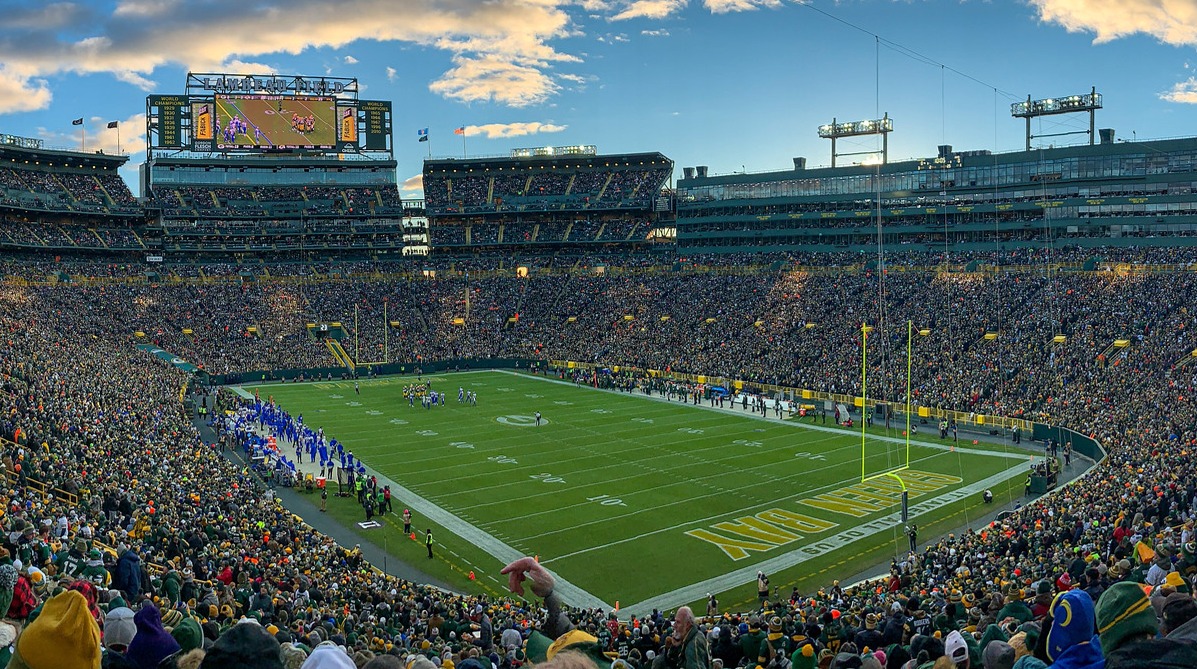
x=1015, y=607
x=171, y=618
x=64, y=636
x=804, y=657
x=119, y=629
x=8, y=580
x=244, y=646
x=869, y=636
x=1124, y=615
x=152, y=643
x=188, y=634
x=1071, y=639
x=292, y=656
x=998, y=655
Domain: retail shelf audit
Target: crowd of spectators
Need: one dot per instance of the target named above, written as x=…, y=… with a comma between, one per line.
x=67, y=191
x=582, y=188
x=273, y=201
x=1096, y=575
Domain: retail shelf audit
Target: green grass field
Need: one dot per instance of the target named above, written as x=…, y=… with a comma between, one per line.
x=630, y=499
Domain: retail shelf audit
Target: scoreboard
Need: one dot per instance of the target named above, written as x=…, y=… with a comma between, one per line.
x=270, y=114
x=377, y=117
x=170, y=113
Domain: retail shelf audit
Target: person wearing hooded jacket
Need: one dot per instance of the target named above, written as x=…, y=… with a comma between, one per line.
x=1072, y=641
x=128, y=574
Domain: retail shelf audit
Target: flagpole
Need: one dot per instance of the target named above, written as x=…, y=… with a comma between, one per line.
x=118, y=139
x=83, y=138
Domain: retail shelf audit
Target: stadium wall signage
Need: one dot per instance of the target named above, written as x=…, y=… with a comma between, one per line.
x=270, y=85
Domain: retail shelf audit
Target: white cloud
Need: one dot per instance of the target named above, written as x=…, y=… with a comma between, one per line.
x=621, y=38
x=649, y=9
x=1171, y=21
x=504, y=130
x=1184, y=92
x=494, y=79
x=655, y=33
x=577, y=79
x=20, y=93
x=350, y=60
x=135, y=79
x=503, y=42
x=392, y=74
x=415, y=183
x=725, y=6
x=143, y=8
x=242, y=67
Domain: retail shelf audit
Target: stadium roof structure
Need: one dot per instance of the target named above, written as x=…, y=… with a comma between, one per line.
x=546, y=162
x=61, y=157
x=949, y=158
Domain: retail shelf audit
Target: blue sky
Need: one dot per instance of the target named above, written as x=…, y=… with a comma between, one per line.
x=732, y=84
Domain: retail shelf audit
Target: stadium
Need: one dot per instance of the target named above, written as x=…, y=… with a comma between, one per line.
x=269, y=410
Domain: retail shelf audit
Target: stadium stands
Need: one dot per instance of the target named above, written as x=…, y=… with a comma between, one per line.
x=276, y=208
x=1028, y=554
x=543, y=202
x=42, y=180
x=1086, y=194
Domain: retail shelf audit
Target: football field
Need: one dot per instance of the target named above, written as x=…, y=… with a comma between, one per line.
x=636, y=500
x=272, y=118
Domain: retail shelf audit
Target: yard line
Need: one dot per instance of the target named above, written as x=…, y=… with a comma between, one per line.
x=633, y=448
x=689, y=500
x=497, y=549
x=734, y=456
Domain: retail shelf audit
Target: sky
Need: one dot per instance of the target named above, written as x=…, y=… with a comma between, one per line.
x=736, y=85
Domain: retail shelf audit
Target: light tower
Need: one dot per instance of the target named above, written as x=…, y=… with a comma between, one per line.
x=882, y=126
x=1028, y=110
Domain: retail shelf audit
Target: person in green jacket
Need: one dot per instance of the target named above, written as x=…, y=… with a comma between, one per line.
x=686, y=648
x=1015, y=607
x=94, y=569
x=752, y=643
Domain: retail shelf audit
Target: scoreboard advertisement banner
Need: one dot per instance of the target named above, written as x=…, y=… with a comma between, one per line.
x=201, y=116
x=348, y=119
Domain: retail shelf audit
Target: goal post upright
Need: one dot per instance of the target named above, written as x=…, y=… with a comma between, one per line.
x=864, y=393
x=909, y=368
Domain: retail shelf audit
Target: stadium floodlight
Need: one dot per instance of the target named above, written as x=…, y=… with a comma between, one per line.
x=1089, y=102
x=555, y=151
x=881, y=126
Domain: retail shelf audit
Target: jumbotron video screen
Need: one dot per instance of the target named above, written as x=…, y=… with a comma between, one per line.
x=242, y=122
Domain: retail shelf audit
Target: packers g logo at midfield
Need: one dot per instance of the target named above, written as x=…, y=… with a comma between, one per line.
x=519, y=420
